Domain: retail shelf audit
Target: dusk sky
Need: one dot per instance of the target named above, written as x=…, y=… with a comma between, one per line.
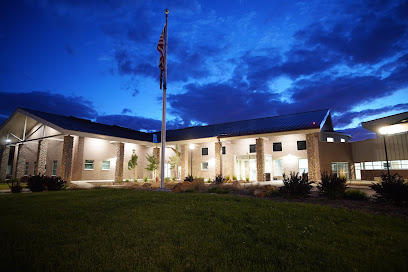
x=227, y=60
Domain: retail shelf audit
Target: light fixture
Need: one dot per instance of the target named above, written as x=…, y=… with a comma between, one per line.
x=191, y=146
x=394, y=129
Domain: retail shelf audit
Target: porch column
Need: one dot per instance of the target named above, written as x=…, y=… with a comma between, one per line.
x=120, y=157
x=313, y=160
x=217, y=158
x=260, y=159
x=78, y=159
x=66, y=162
x=41, y=157
x=184, y=161
x=21, y=160
x=4, y=163
x=156, y=153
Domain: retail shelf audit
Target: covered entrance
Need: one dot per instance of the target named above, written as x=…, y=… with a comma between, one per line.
x=245, y=167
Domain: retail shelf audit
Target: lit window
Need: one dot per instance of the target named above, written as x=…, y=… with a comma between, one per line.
x=252, y=148
x=224, y=150
x=89, y=164
x=54, y=168
x=368, y=165
x=303, y=166
x=377, y=165
x=204, y=151
x=301, y=145
x=26, y=168
x=204, y=166
x=342, y=140
x=277, y=146
x=106, y=165
x=278, y=167
x=330, y=139
x=340, y=169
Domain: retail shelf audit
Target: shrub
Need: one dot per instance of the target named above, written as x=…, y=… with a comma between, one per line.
x=218, y=190
x=247, y=179
x=393, y=189
x=219, y=179
x=167, y=180
x=36, y=183
x=145, y=179
x=15, y=186
x=234, y=178
x=295, y=185
x=332, y=186
x=54, y=183
x=355, y=194
x=189, y=178
x=173, y=178
x=227, y=178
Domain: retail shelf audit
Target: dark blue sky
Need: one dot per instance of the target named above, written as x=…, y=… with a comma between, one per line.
x=227, y=60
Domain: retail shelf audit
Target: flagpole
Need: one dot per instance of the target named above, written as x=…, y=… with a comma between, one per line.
x=163, y=130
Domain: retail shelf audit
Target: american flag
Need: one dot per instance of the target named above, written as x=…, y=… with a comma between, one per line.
x=160, y=48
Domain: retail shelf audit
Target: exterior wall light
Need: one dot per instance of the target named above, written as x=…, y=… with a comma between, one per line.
x=191, y=146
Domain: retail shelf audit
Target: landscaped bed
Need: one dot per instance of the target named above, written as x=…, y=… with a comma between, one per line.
x=130, y=230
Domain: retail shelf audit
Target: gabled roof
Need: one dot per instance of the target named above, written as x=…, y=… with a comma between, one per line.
x=83, y=125
x=289, y=122
x=376, y=124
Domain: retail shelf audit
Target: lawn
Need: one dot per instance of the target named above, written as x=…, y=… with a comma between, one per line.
x=128, y=230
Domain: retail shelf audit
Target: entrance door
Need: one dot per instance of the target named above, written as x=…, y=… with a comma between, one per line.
x=246, y=167
x=357, y=167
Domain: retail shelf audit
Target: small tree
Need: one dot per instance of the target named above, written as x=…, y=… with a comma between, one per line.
x=133, y=163
x=174, y=160
x=153, y=162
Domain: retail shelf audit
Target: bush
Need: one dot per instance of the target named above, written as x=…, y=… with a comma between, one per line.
x=295, y=185
x=219, y=179
x=15, y=186
x=54, y=183
x=234, y=178
x=145, y=179
x=355, y=194
x=393, y=189
x=36, y=183
x=218, y=190
x=189, y=178
x=332, y=186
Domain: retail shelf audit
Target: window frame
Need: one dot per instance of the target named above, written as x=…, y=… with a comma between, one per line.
x=250, y=148
x=223, y=150
x=277, y=144
x=104, y=169
x=204, y=150
x=54, y=168
x=89, y=162
x=301, y=142
x=202, y=168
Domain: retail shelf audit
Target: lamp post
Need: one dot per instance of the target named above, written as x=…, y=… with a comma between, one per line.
x=191, y=159
x=384, y=132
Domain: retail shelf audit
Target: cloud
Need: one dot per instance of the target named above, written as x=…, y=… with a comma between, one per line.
x=124, y=111
x=48, y=102
x=359, y=134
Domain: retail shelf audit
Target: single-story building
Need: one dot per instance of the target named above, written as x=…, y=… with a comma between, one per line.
x=36, y=142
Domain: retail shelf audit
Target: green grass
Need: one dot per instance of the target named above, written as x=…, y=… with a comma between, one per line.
x=4, y=186
x=127, y=230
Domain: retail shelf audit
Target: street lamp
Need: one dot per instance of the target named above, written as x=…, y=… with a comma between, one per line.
x=191, y=159
x=384, y=131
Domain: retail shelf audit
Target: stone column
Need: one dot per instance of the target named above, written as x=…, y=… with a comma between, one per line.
x=217, y=158
x=120, y=158
x=4, y=163
x=156, y=153
x=21, y=160
x=66, y=162
x=41, y=157
x=313, y=160
x=78, y=159
x=260, y=159
x=184, y=161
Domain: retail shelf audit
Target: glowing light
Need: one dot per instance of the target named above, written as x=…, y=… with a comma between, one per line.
x=393, y=129
x=191, y=146
x=314, y=123
x=8, y=140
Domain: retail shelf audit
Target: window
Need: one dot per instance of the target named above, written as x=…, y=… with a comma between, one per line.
x=106, y=165
x=340, y=169
x=204, y=151
x=330, y=139
x=277, y=167
x=303, y=166
x=301, y=145
x=224, y=150
x=26, y=168
x=167, y=170
x=342, y=140
x=204, y=166
x=89, y=164
x=252, y=148
x=35, y=168
x=54, y=168
x=277, y=146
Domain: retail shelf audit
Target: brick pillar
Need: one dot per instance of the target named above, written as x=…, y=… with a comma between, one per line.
x=4, y=163
x=260, y=159
x=120, y=157
x=217, y=158
x=313, y=160
x=66, y=162
x=41, y=157
x=156, y=153
x=184, y=161
x=78, y=159
x=21, y=159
